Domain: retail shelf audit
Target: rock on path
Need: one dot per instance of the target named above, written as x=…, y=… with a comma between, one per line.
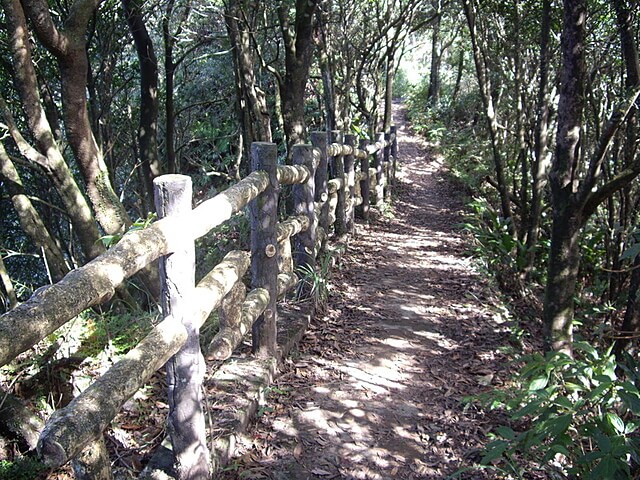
x=377, y=388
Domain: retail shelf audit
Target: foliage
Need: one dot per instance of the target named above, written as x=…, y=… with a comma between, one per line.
x=452, y=126
x=110, y=240
x=117, y=333
x=24, y=468
x=314, y=283
x=575, y=416
x=493, y=244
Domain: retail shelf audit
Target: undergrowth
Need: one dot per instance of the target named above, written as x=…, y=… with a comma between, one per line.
x=567, y=417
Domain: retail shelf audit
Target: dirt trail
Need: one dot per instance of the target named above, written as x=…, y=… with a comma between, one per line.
x=376, y=390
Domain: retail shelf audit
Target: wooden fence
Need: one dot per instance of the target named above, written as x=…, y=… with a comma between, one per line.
x=331, y=182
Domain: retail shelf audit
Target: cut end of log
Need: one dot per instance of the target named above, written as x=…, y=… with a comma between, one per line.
x=51, y=452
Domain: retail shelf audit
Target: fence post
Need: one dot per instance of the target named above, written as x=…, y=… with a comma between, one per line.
x=185, y=370
x=350, y=179
x=388, y=167
x=264, y=258
x=394, y=151
x=338, y=171
x=303, y=204
x=319, y=140
x=379, y=166
x=363, y=210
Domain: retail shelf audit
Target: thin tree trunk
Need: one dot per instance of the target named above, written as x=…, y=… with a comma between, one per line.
x=69, y=48
x=258, y=122
x=30, y=219
x=388, y=89
x=539, y=164
x=169, y=104
x=148, y=123
x=51, y=158
x=327, y=71
x=631, y=323
x=564, y=257
x=433, y=93
x=7, y=285
x=298, y=56
x=490, y=114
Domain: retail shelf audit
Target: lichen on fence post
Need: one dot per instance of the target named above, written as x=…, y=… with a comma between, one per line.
x=350, y=182
x=303, y=203
x=394, y=153
x=319, y=140
x=185, y=370
x=264, y=258
x=338, y=171
x=388, y=167
x=363, y=210
x=379, y=166
x=230, y=311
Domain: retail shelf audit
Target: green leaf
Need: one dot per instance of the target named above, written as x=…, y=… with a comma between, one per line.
x=615, y=422
x=631, y=426
x=604, y=378
x=538, y=383
x=591, y=457
x=506, y=432
x=573, y=387
x=599, y=390
x=528, y=409
x=631, y=252
x=604, y=442
x=564, y=402
x=587, y=348
x=559, y=425
x=609, y=468
x=631, y=401
x=494, y=451
x=605, y=470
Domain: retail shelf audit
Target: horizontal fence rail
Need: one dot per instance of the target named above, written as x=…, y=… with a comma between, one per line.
x=331, y=182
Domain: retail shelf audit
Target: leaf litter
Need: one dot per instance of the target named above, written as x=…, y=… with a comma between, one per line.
x=378, y=386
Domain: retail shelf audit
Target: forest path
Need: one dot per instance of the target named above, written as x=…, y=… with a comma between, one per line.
x=377, y=388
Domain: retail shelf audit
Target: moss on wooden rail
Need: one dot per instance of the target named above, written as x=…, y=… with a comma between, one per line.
x=95, y=282
x=86, y=417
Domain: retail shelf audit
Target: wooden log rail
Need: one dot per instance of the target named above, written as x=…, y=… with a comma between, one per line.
x=278, y=250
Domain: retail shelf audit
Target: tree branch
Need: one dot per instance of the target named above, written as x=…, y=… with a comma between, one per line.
x=611, y=128
x=25, y=148
x=605, y=191
x=38, y=13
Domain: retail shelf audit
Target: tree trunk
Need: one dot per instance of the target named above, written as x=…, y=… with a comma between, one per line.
x=562, y=277
x=564, y=257
x=108, y=210
x=7, y=286
x=326, y=64
x=298, y=56
x=388, y=89
x=433, y=94
x=169, y=105
x=484, y=83
x=148, y=123
x=51, y=158
x=539, y=164
x=69, y=48
x=631, y=323
x=252, y=100
x=30, y=220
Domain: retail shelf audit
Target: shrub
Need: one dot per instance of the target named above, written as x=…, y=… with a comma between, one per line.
x=571, y=415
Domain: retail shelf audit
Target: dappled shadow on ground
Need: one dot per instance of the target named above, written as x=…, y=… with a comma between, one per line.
x=378, y=387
